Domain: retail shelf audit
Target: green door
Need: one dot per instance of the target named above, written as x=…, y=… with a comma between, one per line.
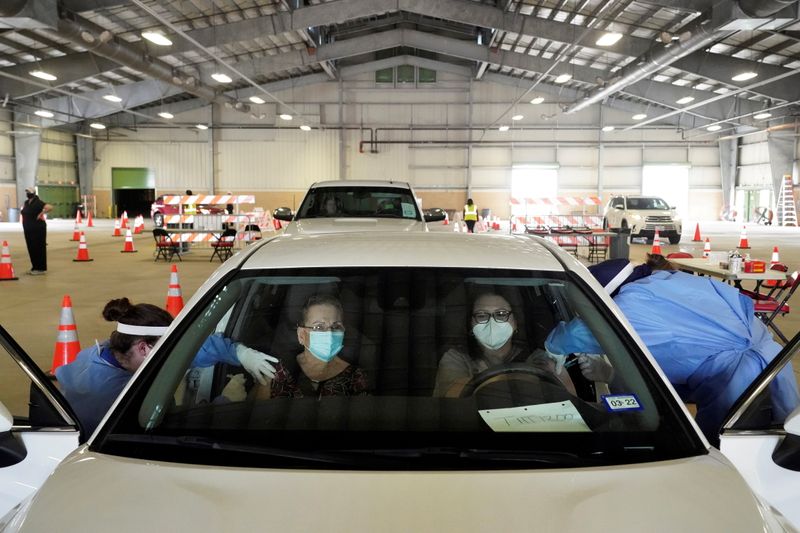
x=63, y=198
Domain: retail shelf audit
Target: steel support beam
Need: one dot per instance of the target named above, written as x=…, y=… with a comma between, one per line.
x=85, y=152
x=781, y=146
x=728, y=163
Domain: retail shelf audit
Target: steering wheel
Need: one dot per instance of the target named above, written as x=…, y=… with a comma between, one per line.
x=509, y=372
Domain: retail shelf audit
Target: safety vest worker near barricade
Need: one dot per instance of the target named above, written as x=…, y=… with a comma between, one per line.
x=470, y=212
x=189, y=209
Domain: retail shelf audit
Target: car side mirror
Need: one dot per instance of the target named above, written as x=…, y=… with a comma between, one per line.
x=787, y=452
x=618, y=207
x=283, y=213
x=6, y=419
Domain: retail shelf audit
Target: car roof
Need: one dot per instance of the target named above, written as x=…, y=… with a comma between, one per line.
x=396, y=249
x=361, y=183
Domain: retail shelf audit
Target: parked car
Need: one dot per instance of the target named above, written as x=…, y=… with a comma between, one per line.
x=511, y=449
x=158, y=210
x=643, y=215
x=353, y=205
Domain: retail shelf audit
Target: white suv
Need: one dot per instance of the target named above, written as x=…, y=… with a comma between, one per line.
x=356, y=205
x=643, y=215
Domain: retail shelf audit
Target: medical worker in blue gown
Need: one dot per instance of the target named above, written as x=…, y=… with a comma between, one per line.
x=702, y=332
x=98, y=374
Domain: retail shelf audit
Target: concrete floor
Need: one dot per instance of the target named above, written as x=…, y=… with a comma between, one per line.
x=30, y=307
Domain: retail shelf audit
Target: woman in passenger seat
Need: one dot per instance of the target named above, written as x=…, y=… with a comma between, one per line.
x=320, y=372
x=493, y=325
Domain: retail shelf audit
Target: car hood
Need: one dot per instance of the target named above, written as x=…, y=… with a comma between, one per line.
x=339, y=225
x=94, y=492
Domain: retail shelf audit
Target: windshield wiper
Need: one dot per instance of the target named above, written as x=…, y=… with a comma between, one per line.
x=480, y=454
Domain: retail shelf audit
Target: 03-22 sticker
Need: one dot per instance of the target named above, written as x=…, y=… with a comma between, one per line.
x=621, y=402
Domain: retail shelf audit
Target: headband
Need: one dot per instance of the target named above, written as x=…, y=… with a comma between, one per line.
x=145, y=331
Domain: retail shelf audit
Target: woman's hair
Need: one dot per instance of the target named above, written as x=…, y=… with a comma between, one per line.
x=122, y=310
x=320, y=299
x=469, y=201
x=658, y=262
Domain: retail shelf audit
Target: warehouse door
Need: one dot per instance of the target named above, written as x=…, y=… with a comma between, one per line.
x=63, y=198
x=133, y=190
x=670, y=182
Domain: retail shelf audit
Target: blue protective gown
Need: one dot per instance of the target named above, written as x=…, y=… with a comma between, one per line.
x=705, y=337
x=95, y=378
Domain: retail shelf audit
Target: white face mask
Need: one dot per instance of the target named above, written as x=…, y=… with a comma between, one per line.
x=493, y=334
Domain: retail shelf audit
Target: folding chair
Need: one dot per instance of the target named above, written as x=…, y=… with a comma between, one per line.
x=680, y=255
x=252, y=232
x=165, y=246
x=223, y=246
x=598, y=247
x=768, y=309
x=776, y=287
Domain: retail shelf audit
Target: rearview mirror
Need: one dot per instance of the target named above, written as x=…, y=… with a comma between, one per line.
x=283, y=213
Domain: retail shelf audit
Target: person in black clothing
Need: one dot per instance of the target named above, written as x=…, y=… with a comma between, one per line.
x=35, y=228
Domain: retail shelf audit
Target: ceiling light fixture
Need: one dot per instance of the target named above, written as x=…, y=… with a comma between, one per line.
x=42, y=113
x=502, y=128
x=156, y=38
x=112, y=98
x=762, y=116
x=97, y=126
x=305, y=127
x=685, y=100
x=538, y=100
x=639, y=116
x=563, y=78
x=608, y=128
x=221, y=77
x=42, y=75
x=201, y=127
x=256, y=100
x=517, y=117
x=166, y=114
x=285, y=116
x=714, y=127
x=609, y=39
x=744, y=76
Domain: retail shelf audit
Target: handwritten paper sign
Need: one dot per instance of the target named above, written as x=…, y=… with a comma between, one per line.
x=559, y=416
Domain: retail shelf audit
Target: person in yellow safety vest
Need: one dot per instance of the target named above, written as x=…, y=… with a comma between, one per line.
x=189, y=209
x=470, y=215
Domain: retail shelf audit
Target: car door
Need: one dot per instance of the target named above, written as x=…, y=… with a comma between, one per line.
x=37, y=426
x=763, y=440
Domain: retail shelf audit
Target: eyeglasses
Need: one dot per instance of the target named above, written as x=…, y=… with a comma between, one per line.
x=336, y=326
x=501, y=315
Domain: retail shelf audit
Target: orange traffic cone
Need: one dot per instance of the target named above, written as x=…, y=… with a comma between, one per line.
x=76, y=233
x=174, y=298
x=706, y=248
x=128, y=248
x=6, y=268
x=124, y=220
x=697, y=237
x=117, y=232
x=78, y=219
x=138, y=224
x=446, y=220
x=67, y=345
x=743, y=244
x=83, y=251
x=776, y=257
x=656, y=249
x=89, y=221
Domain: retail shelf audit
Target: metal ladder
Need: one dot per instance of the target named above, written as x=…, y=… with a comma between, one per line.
x=787, y=211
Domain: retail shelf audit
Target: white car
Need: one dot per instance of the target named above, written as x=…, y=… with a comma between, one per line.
x=643, y=215
x=509, y=450
x=355, y=205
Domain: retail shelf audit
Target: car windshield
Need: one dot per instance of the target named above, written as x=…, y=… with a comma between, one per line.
x=359, y=202
x=647, y=203
x=411, y=387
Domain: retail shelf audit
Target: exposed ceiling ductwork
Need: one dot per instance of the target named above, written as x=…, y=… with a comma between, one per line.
x=28, y=15
x=99, y=41
x=689, y=41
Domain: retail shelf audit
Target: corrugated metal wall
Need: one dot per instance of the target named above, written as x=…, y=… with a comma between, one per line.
x=6, y=148
x=57, y=159
x=177, y=165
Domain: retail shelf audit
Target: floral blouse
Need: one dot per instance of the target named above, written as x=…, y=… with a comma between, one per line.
x=352, y=381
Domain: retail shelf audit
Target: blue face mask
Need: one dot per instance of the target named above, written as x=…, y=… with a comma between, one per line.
x=324, y=345
x=493, y=334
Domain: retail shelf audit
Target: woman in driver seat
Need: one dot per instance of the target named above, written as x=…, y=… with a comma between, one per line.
x=493, y=325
